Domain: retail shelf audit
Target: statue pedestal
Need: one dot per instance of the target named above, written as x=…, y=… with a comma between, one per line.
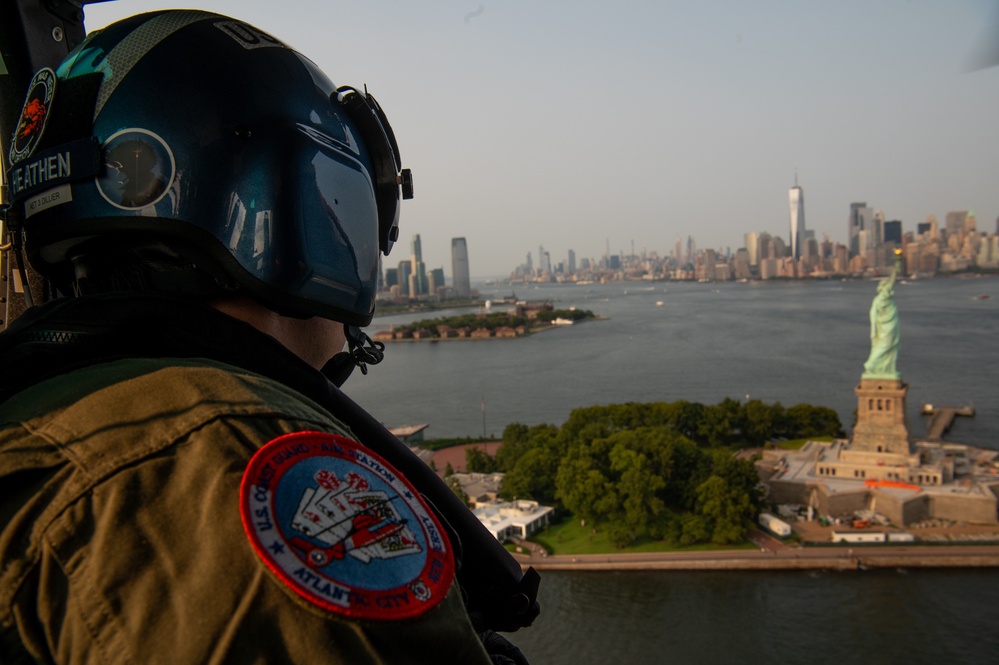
x=881, y=420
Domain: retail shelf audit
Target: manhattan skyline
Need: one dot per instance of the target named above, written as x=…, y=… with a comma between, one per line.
x=571, y=125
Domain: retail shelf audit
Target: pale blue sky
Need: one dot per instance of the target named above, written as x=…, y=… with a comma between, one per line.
x=571, y=124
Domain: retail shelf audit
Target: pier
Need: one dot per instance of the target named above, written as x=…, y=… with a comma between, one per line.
x=942, y=418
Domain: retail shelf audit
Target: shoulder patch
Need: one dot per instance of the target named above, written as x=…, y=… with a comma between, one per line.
x=342, y=529
x=34, y=115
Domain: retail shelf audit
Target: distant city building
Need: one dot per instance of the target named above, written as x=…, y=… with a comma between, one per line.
x=544, y=261
x=418, y=285
x=955, y=222
x=404, y=271
x=416, y=248
x=459, y=268
x=752, y=241
x=780, y=247
x=796, y=201
x=893, y=232
x=572, y=262
x=861, y=219
x=742, y=264
x=435, y=280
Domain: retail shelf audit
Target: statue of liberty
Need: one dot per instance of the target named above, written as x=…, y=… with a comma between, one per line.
x=884, y=329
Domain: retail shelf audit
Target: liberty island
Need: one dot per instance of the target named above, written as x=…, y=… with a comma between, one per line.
x=880, y=470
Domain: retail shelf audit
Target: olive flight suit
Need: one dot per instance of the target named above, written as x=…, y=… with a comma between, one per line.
x=121, y=539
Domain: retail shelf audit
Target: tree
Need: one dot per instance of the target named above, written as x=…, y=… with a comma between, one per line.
x=515, y=433
x=533, y=477
x=723, y=510
x=584, y=489
x=636, y=489
x=759, y=421
x=728, y=498
x=693, y=529
x=478, y=461
x=518, y=439
x=804, y=420
x=715, y=425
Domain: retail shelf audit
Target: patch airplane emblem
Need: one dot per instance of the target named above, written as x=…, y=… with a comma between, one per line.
x=342, y=529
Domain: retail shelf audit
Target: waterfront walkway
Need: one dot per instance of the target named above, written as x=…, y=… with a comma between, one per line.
x=787, y=558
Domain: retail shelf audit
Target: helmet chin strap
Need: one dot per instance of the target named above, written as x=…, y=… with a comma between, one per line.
x=361, y=352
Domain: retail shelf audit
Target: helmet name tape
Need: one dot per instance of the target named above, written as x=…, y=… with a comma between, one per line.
x=54, y=167
x=247, y=36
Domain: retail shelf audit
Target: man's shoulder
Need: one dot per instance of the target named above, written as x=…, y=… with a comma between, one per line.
x=156, y=386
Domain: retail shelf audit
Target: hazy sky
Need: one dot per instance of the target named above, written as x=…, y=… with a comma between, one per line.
x=577, y=124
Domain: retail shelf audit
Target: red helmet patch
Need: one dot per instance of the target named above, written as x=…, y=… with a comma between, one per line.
x=34, y=115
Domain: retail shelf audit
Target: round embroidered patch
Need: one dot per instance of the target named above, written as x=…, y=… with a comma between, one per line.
x=342, y=529
x=34, y=115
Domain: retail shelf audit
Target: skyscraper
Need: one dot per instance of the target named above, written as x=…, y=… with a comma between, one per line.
x=459, y=268
x=752, y=240
x=796, y=199
x=893, y=232
x=418, y=271
x=416, y=249
x=544, y=261
x=404, y=271
x=861, y=219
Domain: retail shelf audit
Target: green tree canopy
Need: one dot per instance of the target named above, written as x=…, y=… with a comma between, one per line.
x=658, y=470
x=478, y=461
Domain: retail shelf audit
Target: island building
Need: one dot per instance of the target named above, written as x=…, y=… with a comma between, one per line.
x=516, y=519
x=882, y=468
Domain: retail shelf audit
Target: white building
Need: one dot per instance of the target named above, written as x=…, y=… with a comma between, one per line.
x=521, y=519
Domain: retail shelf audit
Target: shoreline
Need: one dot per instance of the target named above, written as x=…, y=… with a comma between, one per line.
x=812, y=558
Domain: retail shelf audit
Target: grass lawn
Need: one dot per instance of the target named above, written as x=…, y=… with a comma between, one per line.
x=568, y=537
x=796, y=444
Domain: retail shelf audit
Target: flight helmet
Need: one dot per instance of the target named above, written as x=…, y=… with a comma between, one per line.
x=217, y=149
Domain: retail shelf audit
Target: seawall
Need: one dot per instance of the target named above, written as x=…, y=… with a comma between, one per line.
x=824, y=558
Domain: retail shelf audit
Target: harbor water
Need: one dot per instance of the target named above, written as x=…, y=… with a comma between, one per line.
x=790, y=342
